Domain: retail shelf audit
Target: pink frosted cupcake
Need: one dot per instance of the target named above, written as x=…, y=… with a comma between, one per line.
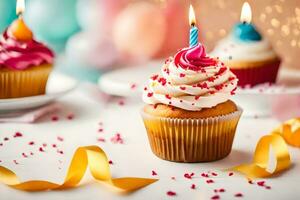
x=188, y=115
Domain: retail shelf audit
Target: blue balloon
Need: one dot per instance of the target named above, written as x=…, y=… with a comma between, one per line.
x=7, y=13
x=52, y=20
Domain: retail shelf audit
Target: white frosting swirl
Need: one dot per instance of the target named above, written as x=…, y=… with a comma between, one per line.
x=233, y=49
x=190, y=89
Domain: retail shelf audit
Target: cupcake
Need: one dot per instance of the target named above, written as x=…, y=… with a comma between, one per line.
x=25, y=64
x=250, y=57
x=188, y=115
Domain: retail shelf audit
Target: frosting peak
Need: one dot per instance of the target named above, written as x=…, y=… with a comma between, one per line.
x=191, y=81
x=193, y=58
x=19, y=55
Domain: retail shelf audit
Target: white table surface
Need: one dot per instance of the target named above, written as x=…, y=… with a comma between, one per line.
x=133, y=158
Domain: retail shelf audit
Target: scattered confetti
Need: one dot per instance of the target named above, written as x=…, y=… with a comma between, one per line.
x=117, y=139
x=54, y=118
x=230, y=174
x=193, y=186
x=70, y=116
x=238, y=195
x=60, y=139
x=154, y=173
x=188, y=176
x=171, y=193
x=209, y=181
x=204, y=175
x=41, y=149
x=121, y=102
x=215, y=197
x=6, y=139
x=15, y=161
x=110, y=162
x=18, y=134
x=31, y=143
x=101, y=140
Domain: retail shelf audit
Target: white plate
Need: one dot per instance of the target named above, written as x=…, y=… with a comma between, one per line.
x=57, y=86
x=255, y=101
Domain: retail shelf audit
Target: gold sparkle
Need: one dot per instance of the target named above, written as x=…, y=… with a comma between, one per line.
x=268, y=9
x=297, y=11
x=275, y=23
x=285, y=30
x=278, y=8
x=296, y=32
x=262, y=17
x=293, y=43
x=222, y=32
x=270, y=31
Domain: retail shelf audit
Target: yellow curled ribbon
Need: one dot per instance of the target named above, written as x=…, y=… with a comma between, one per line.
x=287, y=133
x=90, y=156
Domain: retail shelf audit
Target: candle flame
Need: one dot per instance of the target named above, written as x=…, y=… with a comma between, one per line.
x=192, y=17
x=20, y=7
x=246, y=14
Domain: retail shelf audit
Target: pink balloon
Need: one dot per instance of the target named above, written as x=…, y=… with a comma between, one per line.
x=89, y=49
x=140, y=30
x=176, y=13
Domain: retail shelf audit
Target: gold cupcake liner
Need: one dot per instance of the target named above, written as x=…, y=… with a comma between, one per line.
x=191, y=140
x=23, y=83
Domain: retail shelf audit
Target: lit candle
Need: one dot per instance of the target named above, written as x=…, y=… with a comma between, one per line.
x=194, y=29
x=18, y=28
x=245, y=30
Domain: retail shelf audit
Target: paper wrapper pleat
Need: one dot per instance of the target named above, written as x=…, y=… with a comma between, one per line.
x=256, y=75
x=191, y=140
x=23, y=83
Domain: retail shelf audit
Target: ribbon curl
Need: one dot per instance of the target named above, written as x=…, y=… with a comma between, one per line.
x=279, y=138
x=90, y=156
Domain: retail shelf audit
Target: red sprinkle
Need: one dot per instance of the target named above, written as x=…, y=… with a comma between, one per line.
x=31, y=143
x=15, y=161
x=70, y=116
x=268, y=187
x=1, y=144
x=150, y=94
x=6, y=139
x=214, y=174
x=215, y=197
x=54, y=118
x=101, y=140
x=238, y=195
x=261, y=183
x=171, y=193
x=154, y=173
x=154, y=77
x=204, y=175
x=18, y=134
x=110, y=162
x=173, y=178
x=60, y=152
x=145, y=88
x=209, y=181
x=60, y=139
x=188, y=176
x=168, y=96
x=121, y=102
x=100, y=130
x=24, y=155
x=193, y=186
x=182, y=87
x=41, y=149
x=117, y=139
x=230, y=174
x=181, y=75
x=44, y=145
x=133, y=86
x=54, y=145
